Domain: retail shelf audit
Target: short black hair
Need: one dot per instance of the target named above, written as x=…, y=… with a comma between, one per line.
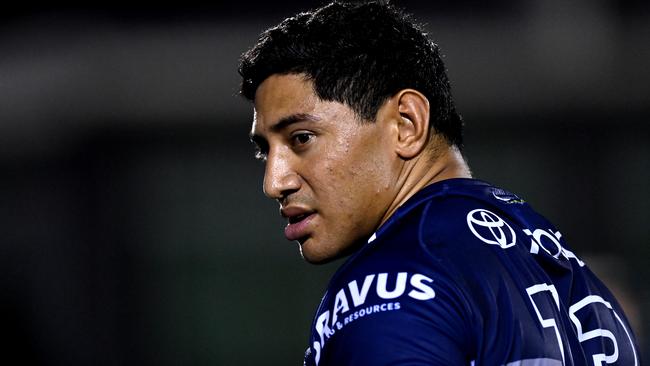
x=359, y=54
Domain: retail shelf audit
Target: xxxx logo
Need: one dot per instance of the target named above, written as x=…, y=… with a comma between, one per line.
x=490, y=228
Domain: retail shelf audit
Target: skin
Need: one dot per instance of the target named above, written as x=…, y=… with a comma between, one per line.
x=347, y=175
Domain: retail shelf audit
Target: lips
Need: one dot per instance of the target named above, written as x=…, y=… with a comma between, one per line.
x=299, y=219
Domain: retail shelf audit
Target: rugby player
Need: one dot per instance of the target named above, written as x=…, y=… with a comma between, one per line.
x=361, y=141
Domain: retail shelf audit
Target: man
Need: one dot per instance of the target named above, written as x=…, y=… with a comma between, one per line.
x=355, y=122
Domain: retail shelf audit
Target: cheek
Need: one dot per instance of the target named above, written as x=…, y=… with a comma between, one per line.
x=337, y=185
x=352, y=176
x=377, y=173
x=358, y=185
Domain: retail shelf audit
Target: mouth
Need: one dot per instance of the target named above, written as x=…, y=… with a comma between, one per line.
x=296, y=219
x=298, y=226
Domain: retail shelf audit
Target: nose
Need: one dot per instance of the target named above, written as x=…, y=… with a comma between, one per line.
x=280, y=177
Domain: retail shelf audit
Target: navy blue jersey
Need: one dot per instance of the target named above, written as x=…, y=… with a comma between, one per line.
x=468, y=274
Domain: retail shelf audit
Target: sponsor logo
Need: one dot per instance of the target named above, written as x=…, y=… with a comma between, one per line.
x=490, y=228
x=506, y=197
x=493, y=230
x=350, y=302
x=549, y=241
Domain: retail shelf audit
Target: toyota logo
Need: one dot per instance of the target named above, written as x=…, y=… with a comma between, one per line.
x=490, y=228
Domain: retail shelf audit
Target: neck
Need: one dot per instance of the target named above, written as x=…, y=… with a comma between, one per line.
x=419, y=172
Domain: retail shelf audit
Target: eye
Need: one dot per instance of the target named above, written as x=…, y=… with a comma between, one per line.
x=301, y=138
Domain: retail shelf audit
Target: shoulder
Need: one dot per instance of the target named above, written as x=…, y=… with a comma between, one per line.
x=455, y=207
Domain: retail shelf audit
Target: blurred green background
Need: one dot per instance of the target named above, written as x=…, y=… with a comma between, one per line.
x=134, y=229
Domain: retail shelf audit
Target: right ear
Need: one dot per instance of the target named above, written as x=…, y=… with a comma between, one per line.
x=413, y=124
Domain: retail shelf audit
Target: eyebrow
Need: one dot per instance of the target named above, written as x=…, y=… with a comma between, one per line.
x=284, y=122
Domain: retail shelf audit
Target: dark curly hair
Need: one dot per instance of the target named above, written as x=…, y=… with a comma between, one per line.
x=359, y=54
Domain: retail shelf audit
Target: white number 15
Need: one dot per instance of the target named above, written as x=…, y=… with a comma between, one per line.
x=598, y=305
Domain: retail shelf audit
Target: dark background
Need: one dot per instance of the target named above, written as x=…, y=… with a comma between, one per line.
x=133, y=229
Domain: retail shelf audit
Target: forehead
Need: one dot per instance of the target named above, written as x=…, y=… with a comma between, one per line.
x=282, y=95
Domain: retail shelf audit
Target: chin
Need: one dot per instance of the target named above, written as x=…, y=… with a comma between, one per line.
x=314, y=252
x=315, y=258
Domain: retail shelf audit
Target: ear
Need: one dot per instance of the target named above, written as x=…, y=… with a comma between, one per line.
x=413, y=123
